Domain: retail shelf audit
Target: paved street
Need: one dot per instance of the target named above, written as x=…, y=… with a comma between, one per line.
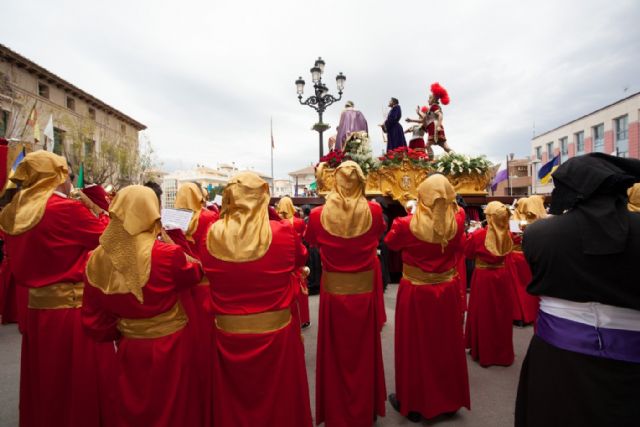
x=492, y=389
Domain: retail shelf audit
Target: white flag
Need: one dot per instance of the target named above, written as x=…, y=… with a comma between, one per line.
x=48, y=133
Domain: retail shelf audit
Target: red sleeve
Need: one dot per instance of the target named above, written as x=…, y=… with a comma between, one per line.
x=394, y=237
x=301, y=251
x=86, y=227
x=469, y=246
x=180, y=239
x=185, y=273
x=98, y=323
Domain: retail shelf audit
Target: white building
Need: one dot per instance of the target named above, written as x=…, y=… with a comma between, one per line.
x=282, y=187
x=613, y=129
x=302, y=179
x=204, y=176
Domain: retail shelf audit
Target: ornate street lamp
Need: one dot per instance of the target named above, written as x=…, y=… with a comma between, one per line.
x=321, y=99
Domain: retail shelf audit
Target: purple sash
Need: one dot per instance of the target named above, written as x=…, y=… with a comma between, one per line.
x=617, y=344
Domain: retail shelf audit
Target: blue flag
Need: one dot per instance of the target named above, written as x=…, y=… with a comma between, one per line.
x=545, y=172
x=18, y=160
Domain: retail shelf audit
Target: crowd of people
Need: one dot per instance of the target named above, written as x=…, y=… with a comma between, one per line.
x=127, y=323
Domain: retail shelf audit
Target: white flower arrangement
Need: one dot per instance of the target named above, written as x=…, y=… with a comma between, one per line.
x=458, y=164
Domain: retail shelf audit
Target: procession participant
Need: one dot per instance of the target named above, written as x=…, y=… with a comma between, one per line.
x=525, y=306
x=582, y=367
x=49, y=237
x=489, y=332
x=98, y=196
x=350, y=388
x=190, y=196
x=8, y=291
x=430, y=362
x=351, y=120
x=258, y=357
x=286, y=211
x=634, y=198
x=393, y=128
x=132, y=287
x=434, y=117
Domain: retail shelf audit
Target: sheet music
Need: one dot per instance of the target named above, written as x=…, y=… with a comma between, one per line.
x=176, y=218
x=514, y=226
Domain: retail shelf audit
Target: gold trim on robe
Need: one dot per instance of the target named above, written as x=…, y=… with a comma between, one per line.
x=60, y=295
x=486, y=266
x=338, y=283
x=204, y=281
x=418, y=276
x=257, y=323
x=158, y=326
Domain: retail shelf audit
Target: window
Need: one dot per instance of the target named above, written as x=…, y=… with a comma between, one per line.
x=621, y=129
x=598, y=138
x=564, y=146
x=123, y=128
x=4, y=123
x=550, y=150
x=89, y=147
x=579, y=139
x=539, y=153
x=71, y=103
x=92, y=113
x=58, y=141
x=43, y=90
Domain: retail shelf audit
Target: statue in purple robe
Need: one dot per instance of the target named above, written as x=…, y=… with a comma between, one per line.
x=393, y=128
x=351, y=120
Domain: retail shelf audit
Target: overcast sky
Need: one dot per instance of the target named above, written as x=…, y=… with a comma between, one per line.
x=206, y=77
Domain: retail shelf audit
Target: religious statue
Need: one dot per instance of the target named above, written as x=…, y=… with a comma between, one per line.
x=351, y=120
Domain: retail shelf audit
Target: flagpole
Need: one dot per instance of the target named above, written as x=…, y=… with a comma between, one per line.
x=272, y=177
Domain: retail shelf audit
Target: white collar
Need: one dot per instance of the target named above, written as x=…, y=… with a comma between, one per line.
x=57, y=193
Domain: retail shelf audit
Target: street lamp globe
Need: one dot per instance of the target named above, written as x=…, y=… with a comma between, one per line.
x=316, y=74
x=300, y=86
x=320, y=64
x=340, y=78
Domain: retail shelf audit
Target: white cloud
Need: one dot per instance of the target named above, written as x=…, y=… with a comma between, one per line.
x=207, y=76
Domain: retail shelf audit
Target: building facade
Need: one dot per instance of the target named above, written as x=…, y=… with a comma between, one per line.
x=282, y=187
x=84, y=126
x=206, y=177
x=613, y=129
x=519, y=182
x=302, y=180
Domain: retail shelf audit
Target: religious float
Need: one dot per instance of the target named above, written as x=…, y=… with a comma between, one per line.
x=398, y=173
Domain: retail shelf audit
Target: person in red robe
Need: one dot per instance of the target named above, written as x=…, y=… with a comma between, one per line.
x=287, y=212
x=191, y=196
x=132, y=287
x=430, y=362
x=489, y=332
x=63, y=372
x=259, y=374
x=525, y=306
x=350, y=386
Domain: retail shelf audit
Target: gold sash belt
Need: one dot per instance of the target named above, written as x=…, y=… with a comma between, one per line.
x=486, y=266
x=60, y=295
x=417, y=276
x=154, y=327
x=204, y=281
x=258, y=323
x=347, y=283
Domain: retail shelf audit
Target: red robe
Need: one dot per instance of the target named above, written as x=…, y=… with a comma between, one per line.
x=302, y=301
x=489, y=329
x=430, y=361
x=260, y=378
x=64, y=373
x=525, y=305
x=8, y=294
x=350, y=387
x=156, y=380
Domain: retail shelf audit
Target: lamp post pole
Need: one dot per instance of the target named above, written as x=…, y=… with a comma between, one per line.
x=321, y=98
